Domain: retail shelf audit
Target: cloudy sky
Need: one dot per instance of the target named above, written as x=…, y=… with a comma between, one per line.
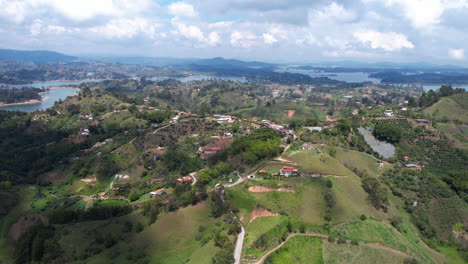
x=431, y=31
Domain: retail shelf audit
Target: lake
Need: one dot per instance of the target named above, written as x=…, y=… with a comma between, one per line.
x=49, y=99
x=387, y=150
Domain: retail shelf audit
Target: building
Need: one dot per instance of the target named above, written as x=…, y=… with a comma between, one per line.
x=224, y=119
x=184, y=179
x=307, y=146
x=423, y=121
x=158, y=180
x=288, y=171
x=157, y=192
x=388, y=113
x=214, y=147
x=413, y=166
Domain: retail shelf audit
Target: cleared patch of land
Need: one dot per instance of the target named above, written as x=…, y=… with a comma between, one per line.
x=298, y=249
x=334, y=253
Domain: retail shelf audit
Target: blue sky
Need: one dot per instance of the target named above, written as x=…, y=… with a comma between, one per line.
x=432, y=31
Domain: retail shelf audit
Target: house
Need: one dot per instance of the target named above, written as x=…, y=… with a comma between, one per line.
x=108, y=139
x=406, y=158
x=423, y=121
x=388, y=113
x=157, y=192
x=184, y=179
x=413, y=166
x=315, y=128
x=307, y=146
x=122, y=176
x=224, y=119
x=288, y=171
x=158, y=180
x=215, y=146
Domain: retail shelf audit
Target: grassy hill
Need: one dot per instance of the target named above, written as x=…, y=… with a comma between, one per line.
x=377, y=239
x=450, y=108
x=275, y=111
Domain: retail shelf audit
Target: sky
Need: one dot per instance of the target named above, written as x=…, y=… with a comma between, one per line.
x=431, y=31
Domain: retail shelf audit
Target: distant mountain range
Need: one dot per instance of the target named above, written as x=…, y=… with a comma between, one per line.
x=163, y=61
x=44, y=56
x=38, y=56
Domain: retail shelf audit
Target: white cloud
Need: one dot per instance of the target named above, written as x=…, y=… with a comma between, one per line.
x=36, y=27
x=182, y=9
x=14, y=10
x=389, y=41
x=126, y=28
x=426, y=13
x=213, y=38
x=189, y=31
x=81, y=10
x=269, y=38
x=458, y=54
x=334, y=12
x=243, y=39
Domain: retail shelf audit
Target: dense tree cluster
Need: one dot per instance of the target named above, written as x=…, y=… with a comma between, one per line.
x=387, y=132
x=15, y=95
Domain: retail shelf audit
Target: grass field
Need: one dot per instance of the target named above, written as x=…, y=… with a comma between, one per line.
x=457, y=134
x=334, y=253
x=298, y=249
x=170, y=240
x=447, y=108
x=359, y=160
x=379, y=232
x=275, y=111
x=313, y=204
x=260, y=226
x=310, y=162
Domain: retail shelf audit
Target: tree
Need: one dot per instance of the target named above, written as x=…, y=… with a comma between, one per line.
x=387, y=132
x=223, y=257
x=332, y=151
x=376, y=193
x=344, y=126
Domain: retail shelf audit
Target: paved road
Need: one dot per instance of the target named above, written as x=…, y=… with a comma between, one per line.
x=193, y=177
x=239, y=245
x=239, y=181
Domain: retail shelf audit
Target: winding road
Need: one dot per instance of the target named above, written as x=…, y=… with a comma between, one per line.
x=239, y=245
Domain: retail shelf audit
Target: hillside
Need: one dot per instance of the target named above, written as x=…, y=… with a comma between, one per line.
x=145, y=171
x=450, y=108
x=39, y=56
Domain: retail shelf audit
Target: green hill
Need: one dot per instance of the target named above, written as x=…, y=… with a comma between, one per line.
x=450, y=108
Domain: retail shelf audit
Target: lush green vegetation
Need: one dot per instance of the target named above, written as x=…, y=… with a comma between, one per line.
x=9, y=96
x=109, y=171
x=298, y=249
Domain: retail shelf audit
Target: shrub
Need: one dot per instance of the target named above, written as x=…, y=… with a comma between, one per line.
x=139, y=227
x=341, y=240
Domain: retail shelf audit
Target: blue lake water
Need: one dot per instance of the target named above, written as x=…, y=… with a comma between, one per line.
x=339, y=76
x=49, y=99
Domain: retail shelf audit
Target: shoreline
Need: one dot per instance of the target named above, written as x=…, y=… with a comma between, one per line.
x=29, y=102
x=36, y=101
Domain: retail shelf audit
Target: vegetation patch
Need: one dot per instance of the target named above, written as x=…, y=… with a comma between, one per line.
x=298, y=249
